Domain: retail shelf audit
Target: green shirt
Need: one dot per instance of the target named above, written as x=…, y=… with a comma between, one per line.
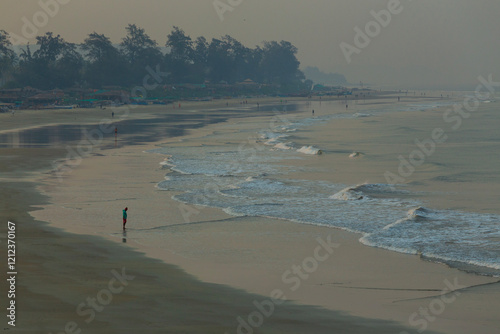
x=124, y=214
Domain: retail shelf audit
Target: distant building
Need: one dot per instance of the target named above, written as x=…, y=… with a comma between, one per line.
x=17, y=95
x=50, y=97
x=111, y=95
x=248, y=83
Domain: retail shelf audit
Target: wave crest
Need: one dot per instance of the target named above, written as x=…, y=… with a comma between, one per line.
x=349, y=194
x=310, y=150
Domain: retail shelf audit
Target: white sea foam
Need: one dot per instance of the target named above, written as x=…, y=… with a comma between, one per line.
x=283, y=146
x=397, y=222
x=411, y=215
x=359, y=191
x=359, y=115
x=310, y=150
x=348, y=194
x=166, y=162
x=258, y=186
x=365, y=241
x=355, y=155
x=419, y=212
x=231, y=212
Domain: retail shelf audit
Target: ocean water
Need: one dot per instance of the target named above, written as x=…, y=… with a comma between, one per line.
x=249, y=178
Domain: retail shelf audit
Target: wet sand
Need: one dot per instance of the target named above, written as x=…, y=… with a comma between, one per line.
x=250, y=254
x=59, y=271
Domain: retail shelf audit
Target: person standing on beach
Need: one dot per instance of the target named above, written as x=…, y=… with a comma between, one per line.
x=125, y=217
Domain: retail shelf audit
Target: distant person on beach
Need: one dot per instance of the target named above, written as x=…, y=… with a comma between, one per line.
x=313, y=111
x=124, y=217
x=116, y=131
x=113, y=114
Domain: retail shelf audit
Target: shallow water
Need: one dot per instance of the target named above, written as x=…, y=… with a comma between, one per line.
x=250, y=179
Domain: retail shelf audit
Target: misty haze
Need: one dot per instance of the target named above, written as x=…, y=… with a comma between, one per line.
x=250, y=166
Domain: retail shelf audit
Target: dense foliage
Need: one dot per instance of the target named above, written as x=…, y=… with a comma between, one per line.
x=96, y=62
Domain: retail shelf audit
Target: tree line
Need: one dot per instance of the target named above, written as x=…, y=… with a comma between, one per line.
x=97, y=62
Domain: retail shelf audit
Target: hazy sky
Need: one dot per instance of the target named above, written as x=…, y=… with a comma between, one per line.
x=428, y=42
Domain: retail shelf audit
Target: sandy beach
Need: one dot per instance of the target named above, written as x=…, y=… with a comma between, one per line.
x=243, y=262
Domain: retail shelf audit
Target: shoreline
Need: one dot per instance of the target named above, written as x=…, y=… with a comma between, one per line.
x=220, y=269
x=236, y=274
x=50, y=296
